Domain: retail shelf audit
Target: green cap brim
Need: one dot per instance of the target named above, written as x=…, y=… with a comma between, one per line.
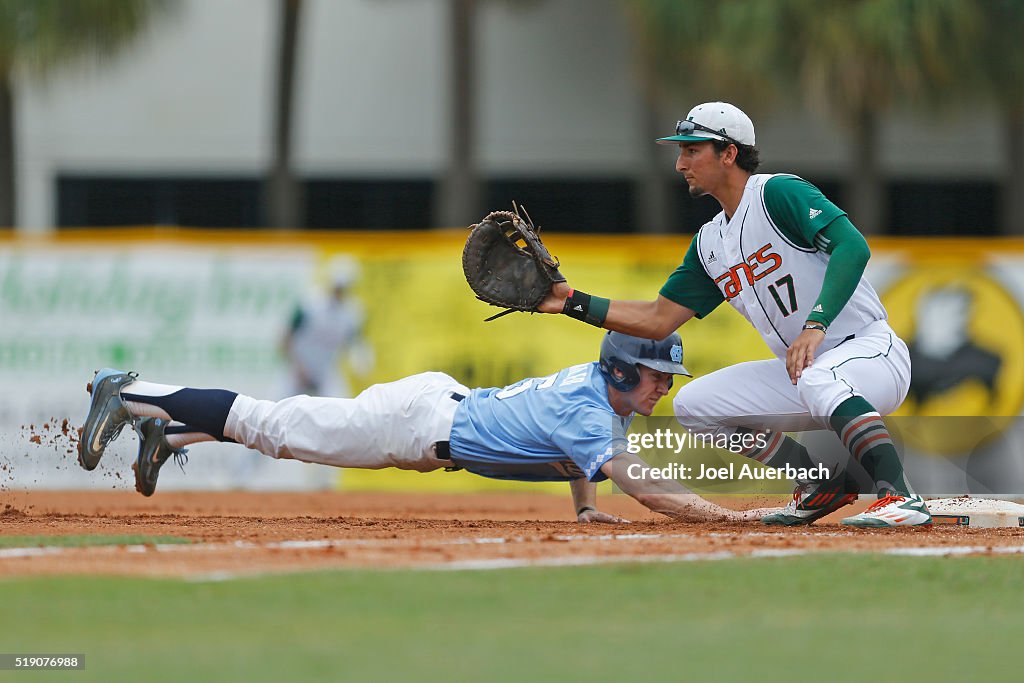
x=671, y=140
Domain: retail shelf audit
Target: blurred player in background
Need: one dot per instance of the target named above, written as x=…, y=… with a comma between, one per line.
x=323, y=330
x=792, y=263
x=325, y=333
x=569, y=426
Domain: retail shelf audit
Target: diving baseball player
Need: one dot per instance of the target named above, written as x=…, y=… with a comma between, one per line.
x=792, y=264
x=569, y=426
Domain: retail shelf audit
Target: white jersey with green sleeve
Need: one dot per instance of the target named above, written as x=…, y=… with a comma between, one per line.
x=769, y=263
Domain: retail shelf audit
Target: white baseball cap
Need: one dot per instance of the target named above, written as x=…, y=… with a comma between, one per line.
x=342, y=271
x=713, y=121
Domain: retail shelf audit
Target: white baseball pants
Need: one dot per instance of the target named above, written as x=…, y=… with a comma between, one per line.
x=759, y=394
x=387, y=425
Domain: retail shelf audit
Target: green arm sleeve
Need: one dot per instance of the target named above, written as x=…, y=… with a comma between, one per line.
x=848, y=256
x=689, y=285
x=808, y=219
x=298, y=317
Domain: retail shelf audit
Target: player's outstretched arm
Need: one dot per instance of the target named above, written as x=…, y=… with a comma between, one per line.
x=584, y=501
x=669, y=497
x=648, y=319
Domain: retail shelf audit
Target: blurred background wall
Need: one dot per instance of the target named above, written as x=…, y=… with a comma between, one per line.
x=558, y=106
x=177, y=176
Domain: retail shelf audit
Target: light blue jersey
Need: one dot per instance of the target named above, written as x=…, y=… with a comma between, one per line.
x=552, y=428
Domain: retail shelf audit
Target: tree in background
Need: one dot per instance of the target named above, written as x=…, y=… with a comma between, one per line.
x=39, y=37
x=676, y=64
x=1000, y=64
x=858, y=60
x=852, y=59
x=283, y=193
x=459, y=194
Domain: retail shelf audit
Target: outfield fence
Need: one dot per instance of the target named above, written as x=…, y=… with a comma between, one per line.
x=208, y=308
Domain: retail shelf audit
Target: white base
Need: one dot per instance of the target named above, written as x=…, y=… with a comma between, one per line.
x=983, y=513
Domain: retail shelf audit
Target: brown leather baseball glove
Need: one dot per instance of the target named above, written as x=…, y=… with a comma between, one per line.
x=506, y=264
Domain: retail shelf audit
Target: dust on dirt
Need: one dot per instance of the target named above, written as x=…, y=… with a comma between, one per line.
x=239, y=532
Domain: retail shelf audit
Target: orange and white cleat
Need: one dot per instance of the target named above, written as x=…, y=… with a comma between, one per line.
x=891, y=511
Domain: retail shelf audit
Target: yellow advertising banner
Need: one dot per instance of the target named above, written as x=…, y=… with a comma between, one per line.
x=209, y=306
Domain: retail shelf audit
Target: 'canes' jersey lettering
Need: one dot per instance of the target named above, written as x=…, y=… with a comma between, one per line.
x=766, y=276
x=760, y=264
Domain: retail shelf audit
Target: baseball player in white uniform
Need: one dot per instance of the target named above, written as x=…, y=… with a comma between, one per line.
x=324, y=328
x=791, y=262
x=569, y=426
x=320, y=331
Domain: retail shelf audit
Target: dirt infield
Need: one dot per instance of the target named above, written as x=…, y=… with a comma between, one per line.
x=240, y=533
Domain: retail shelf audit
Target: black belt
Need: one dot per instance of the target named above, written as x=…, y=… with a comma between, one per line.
x=443, y=450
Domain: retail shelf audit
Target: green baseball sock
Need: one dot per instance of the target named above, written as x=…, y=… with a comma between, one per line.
x=781, y=450
x=778, y=450
x=864, y=434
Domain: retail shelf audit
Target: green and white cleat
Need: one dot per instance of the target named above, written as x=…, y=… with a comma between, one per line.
x=107, y=415
x=810, y=504
x=891, y=511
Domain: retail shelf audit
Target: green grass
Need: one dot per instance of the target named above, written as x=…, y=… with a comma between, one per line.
x=83, y=541
x=834, y=617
